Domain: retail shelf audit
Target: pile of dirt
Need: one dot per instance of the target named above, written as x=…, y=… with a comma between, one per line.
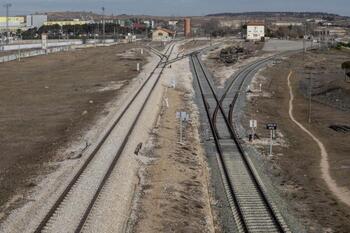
x=222, y=70
x=231, y=54
x=234, y=52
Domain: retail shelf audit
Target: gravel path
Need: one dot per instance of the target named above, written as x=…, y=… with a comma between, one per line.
x=341, y=193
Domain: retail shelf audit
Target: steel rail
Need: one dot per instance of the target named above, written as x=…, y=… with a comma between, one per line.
x=76, y=177
x=234, y=137
x=218, y=146
x=119, y=152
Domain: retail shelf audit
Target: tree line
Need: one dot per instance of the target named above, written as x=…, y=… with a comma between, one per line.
x=78, y=31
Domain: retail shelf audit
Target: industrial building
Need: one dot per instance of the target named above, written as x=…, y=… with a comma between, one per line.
x=22, y=22
x=68, y=22
x=14, y=23
x=287, y=24
x=35, y=21
x=255, y=31
x=162, y=34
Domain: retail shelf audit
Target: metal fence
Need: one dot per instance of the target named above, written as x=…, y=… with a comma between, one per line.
x=33, y=53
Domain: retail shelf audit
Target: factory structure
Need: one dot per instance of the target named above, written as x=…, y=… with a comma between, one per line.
x=68, y=22
x=14, y=23
x=23, y=23
x=35, y=21
x=38, y=20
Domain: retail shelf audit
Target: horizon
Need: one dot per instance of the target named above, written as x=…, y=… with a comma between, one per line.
x=175, y=8
x=155, y=15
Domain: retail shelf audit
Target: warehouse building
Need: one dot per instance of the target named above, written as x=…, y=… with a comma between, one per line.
x=14, y=23
x=36, y=21
x=68, y=22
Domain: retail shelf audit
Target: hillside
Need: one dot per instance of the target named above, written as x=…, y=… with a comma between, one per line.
x=279, y=14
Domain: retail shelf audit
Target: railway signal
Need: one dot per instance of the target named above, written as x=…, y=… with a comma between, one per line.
x=253, y=124
x=272, y=127
x=183, y=117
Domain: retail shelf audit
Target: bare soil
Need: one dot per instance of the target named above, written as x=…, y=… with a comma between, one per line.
x=11, y=52
x=295, y=166
x=223, y=71
x=174, y=197
x=48, y=101
x=193, y=44
x=158, y=45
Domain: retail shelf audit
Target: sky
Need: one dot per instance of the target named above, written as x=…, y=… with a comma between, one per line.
x=177, y=7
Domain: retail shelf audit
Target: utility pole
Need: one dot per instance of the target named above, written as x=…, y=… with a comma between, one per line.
x=310, y=96
x=310, y=72
x=304, y=42
x=103, y=25
x=7, y=6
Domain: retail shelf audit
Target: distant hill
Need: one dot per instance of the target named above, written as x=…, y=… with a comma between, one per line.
x=68, y=15
x=259, y=14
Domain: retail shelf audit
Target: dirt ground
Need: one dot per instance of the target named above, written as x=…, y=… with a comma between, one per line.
x=295, y=166
x=157, y=45
x=5, y=53
x=174, y=197
x=193, y=44
x=48, y=101
x=222, y=71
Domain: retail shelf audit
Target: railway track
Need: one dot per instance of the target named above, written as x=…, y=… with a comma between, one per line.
x=156, y=52
x=73, y=206
x=251, y=209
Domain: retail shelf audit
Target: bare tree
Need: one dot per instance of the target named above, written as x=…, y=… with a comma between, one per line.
x=211, y=26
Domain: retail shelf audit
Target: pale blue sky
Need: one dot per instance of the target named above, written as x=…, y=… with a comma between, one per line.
x=178, y=7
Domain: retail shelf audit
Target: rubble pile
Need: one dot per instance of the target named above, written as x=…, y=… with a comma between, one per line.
x=231, y=54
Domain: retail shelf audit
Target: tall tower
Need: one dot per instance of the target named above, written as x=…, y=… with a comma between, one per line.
x=187, y=28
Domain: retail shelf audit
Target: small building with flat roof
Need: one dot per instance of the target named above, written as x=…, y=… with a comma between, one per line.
x=255, y=30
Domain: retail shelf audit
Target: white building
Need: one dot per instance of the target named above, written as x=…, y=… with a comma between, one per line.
x=172, y=22
x=255, y=31
x=36, y=21
x=286, y=24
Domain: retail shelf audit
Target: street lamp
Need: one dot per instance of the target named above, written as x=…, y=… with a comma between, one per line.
x=104, y=24
x=7, y=6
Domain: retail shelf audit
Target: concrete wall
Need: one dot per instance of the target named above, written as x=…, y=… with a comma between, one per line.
x=34, y=53
x=24, y=54
x=38, y=45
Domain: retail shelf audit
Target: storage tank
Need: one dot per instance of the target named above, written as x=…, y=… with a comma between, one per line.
x=187, y=29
